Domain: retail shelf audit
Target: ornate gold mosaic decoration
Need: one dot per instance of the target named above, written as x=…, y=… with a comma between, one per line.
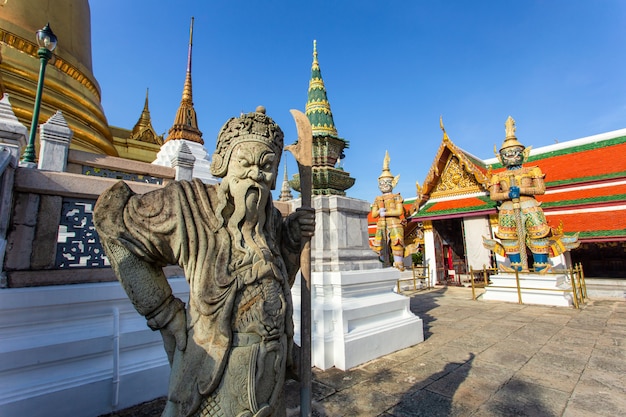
x=455, y=180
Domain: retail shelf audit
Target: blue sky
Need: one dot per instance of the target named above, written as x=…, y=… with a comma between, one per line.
x=391, y=69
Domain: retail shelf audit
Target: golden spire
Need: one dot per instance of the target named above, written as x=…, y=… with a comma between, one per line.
x=143, y=130
x=185, y=123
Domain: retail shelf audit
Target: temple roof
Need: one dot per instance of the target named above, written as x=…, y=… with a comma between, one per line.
x=185, y=123
x=585, y=185
x=317, y=105
x=453, y=172
x=143, y=130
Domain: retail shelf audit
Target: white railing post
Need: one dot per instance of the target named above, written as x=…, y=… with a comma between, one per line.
x=54, y=138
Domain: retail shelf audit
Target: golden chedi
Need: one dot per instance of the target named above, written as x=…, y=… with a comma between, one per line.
x=70, y=85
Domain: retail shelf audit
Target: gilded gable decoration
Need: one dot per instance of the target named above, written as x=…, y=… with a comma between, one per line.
x=453, y=172
x=455, y=180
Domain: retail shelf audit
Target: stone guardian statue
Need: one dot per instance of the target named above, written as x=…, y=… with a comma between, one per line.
x=230, y=345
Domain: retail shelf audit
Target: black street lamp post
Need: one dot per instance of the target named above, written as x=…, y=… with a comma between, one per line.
x=47, y=42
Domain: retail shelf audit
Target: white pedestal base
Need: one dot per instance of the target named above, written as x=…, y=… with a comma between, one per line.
x=78, y=350
x=553, y=290
x=356, y=317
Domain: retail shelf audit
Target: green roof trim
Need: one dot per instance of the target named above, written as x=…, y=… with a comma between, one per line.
x=571, y=181
x=573, y=149
x=423, y=212
x=602, y=233
x=580, y=148
x=590, y=200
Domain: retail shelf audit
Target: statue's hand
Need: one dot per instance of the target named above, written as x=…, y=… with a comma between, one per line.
x=305, y=219
x=382, y=212
x=174, y=334
x=514, y=192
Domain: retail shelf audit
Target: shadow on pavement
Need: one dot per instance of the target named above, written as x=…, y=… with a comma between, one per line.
x=425, y=302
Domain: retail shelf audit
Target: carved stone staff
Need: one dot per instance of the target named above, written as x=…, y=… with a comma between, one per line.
x=302, y=150
x=519, y=224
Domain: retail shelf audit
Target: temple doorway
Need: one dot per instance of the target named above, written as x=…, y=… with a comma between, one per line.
x=449, y=251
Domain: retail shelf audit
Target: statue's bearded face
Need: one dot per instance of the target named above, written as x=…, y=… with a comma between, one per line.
x=251, y=164
x=513, y=156
x=248, y=182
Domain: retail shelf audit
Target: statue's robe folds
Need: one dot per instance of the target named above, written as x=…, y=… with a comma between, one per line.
x=178, y=225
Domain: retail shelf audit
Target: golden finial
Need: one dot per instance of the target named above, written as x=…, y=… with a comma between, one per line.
x=387, y=173
x=510, y=140
x=443, y=129
x=315, y=52
x=509, y=126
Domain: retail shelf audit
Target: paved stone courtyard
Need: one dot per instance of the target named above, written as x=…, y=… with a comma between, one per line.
x=482, y=358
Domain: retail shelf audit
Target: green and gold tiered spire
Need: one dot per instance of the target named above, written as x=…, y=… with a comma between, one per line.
x=317, y=106
x=328, y=177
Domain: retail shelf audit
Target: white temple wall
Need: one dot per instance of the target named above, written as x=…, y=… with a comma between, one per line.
x=429, y=252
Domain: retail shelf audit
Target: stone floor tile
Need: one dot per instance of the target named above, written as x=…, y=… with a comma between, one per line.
x=362, y=400
x=398, y=383
x=411, y=353
x=506, y=355
x=476, y=380
x=548, y=377
x=612, y=337
x=472, y=342
x=376, y=365
x=574, y=411
x=523, y=398
x=429, y=367
x=425, y=403
x=571, y=360
x=597, y=401
x=340, y=380
x=607, y=364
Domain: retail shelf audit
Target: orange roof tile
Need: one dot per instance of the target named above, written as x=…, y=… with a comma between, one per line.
x=591, y=224
x=589, y=193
